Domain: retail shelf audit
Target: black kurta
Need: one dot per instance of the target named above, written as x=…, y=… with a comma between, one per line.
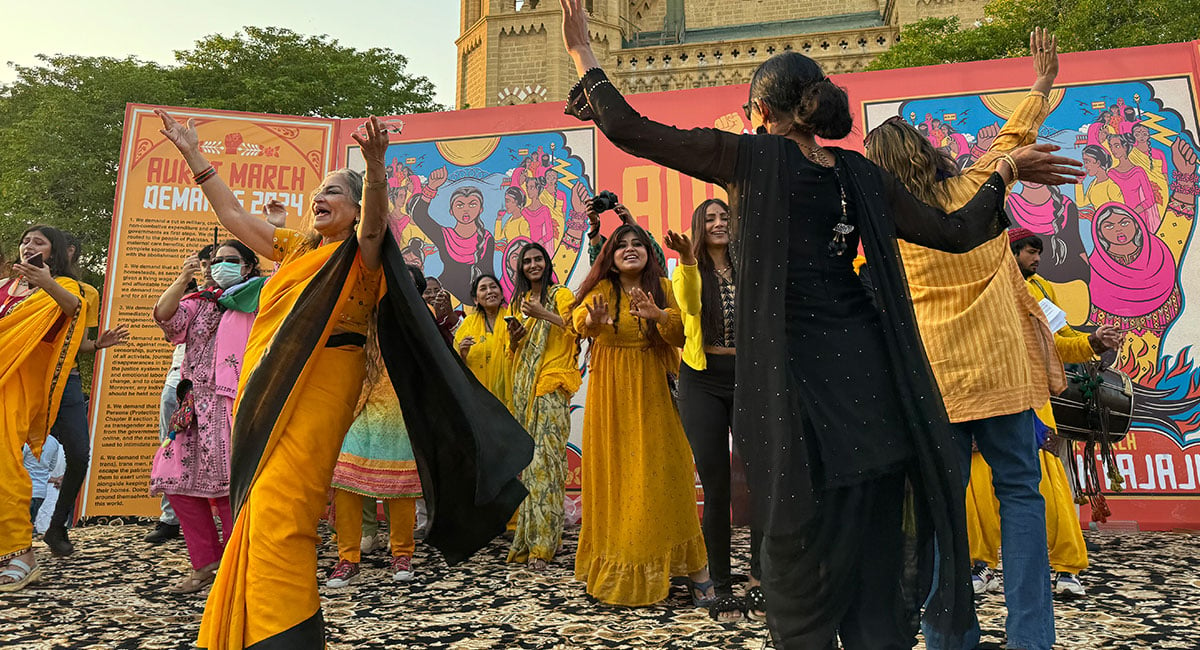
x=790, y=443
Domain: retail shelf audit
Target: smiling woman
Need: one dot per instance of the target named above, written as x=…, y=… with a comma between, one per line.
x=308, y=340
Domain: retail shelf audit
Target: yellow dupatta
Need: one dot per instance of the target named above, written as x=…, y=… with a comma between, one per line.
x=33, y=372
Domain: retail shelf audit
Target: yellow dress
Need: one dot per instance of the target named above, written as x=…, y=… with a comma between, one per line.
x=488, y=359
x=640, y=523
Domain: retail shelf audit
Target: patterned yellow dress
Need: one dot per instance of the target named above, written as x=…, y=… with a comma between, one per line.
x=545, y=375
x=640, y=523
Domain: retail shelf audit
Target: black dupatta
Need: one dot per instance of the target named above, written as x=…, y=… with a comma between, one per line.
x=768, y=419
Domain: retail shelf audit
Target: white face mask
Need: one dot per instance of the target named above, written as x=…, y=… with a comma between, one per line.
x=226, y=274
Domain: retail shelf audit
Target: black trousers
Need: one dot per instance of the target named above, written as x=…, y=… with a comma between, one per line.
x=842, y=575
x=706, y=408
x=71, y=430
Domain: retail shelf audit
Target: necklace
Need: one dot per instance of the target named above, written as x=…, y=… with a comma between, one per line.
x=837, y=245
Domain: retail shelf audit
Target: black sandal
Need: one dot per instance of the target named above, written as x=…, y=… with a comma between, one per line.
x=725, y=604
x=756, y=601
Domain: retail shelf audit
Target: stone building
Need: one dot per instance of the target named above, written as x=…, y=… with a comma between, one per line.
x=510, y=51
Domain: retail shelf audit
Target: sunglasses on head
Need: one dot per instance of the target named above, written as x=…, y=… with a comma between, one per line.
x=895, y=119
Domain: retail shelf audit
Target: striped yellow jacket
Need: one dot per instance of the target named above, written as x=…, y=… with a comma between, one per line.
x=988, y=342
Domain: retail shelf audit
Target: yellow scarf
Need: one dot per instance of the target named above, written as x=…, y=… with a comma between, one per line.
x=33, y=372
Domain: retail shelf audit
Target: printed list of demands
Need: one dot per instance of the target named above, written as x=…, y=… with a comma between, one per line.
x=154, y=246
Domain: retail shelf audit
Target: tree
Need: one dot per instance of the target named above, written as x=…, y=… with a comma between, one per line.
x=1079, y=24
x=61, y=121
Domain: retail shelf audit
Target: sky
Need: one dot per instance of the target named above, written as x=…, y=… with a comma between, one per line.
x=152, y=31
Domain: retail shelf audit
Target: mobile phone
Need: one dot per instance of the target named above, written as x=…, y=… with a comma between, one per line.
x=36, y=260
x=512, y=319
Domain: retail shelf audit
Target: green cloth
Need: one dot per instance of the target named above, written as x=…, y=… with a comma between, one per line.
x=243, y=297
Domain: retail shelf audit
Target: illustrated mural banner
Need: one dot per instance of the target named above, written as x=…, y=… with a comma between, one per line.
x=159, y=217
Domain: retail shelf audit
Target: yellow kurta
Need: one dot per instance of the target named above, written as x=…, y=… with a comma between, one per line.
x=968, y=302
x=1098, y=193
x=33, y=374
x=267, y=583
x=640, y=523
x=488, y=359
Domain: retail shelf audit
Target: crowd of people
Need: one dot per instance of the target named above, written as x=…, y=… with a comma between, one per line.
x=888, y=458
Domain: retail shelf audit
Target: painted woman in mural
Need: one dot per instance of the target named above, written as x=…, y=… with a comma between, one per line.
x=1045, y=211
x=466, y=248
x=542, y=228
x=1133, y=283
x=1134, y=182
x=1100, y=189
x=510, y=223
x=1145, y=155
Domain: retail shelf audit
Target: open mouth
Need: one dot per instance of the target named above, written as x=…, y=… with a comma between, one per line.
x=321, y=213
x=630, y=257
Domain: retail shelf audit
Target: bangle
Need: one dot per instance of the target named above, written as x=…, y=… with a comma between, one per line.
x=370, y=184
x=205, y=175
x=1011, y=163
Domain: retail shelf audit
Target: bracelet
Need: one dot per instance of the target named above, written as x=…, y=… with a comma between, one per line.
x=204, y=175
x=429, y=193
x=370, y=185
x=1011, y=163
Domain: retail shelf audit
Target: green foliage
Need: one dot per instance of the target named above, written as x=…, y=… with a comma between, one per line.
x=1079, y=24
x=61, y=120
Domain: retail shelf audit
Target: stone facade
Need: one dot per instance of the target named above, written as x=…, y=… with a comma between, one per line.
x=510, y=51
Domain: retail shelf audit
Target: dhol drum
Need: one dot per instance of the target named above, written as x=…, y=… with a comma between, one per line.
x=1098, y=402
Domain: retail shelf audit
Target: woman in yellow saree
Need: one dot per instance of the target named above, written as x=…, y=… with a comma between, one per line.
x=304, y=371
x=481, y=339
x=41, y=320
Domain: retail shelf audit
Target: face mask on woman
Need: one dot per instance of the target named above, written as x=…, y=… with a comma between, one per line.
x=226, y=274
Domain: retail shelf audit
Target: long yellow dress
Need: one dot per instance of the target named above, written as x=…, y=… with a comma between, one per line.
x=640, y=523
x=488, y=359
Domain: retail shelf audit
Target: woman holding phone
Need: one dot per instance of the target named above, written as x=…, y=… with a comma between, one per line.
x=42, y=314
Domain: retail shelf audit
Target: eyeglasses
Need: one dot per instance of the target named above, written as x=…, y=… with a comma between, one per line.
x=219, y=260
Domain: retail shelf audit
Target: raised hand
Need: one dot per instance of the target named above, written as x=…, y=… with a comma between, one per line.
x=1183, y=155
x=1037, y=163
x=441, y=304
x=580, y=201
x=1106, y=337
x=986, y=136
x=374, y=141
x=184, y=137
x=598, y=313
x=1043, y=46
x=625, y=214
x=437, y=178
x=37, y=276
x=275, y=213
x=464, y=346
x=575, y=26
x=109, y=338
x=516, y=332
x=681, y=244
x=535, y=309
x=641, y=304
x=191, y=266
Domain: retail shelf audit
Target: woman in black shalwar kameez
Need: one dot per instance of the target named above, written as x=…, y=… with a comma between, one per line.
x=835, y=407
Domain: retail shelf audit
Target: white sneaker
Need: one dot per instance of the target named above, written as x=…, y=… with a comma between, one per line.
x=1067, y=585
x=983, y=579
x=372, y=543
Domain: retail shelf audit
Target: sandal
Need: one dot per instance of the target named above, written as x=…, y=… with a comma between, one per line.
x=725, y=605
x=537, y=564
x=21, y=573
x=195, y=582
x=702, y=587
x=756, y=603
